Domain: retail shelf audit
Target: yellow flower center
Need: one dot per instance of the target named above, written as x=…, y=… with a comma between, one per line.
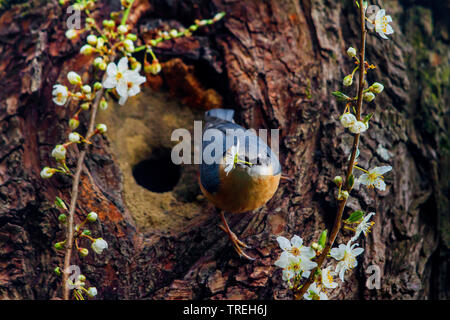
x=295, y=251
x=119, y=76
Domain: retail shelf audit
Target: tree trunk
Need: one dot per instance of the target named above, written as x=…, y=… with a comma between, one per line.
x=276, y=63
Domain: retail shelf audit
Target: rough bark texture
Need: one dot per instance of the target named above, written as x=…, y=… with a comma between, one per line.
x=276, y=63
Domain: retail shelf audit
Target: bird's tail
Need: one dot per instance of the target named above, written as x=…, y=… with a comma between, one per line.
x=223, y=114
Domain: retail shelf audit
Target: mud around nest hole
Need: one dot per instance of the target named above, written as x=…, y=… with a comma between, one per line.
x=159, y=195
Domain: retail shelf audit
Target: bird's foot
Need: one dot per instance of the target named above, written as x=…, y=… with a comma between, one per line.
x=237, y=244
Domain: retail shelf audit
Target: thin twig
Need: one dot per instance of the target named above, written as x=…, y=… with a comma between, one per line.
x=347, y=187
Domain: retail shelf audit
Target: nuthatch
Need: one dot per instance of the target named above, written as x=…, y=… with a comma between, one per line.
x=246, y=183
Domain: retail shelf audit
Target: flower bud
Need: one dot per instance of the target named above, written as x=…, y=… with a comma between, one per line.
x=83, y=252
x=86, y=232
x=92, y=40
x=153, y=68
x=87, y=49
x=368, y=96
x=62, y=218
x=100, y=43
x=92, y=292
x=101, y=128
x=122, y=29
x=86, y=88
x=92, y=216
x=132, y=36
x=218, y=16
x=59, y=152
x=173, y=33
x=344, y=195
x=348, y=80
x=71, y=34
x=85, y=106
x=47, y=173
x=351, y=52
x=74, y=137
x=129, y=45
x=57, y=271
x=60, y=245
x=193, y=28
x=103, y=104
x=74, y=78
x=348, y=119
x=376, y=87
x=359, y=127
x=74, y=123
x=98, y=86
x=82, y=278
x=337, y=180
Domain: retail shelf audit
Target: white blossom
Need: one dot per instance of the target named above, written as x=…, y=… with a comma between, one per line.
x=60, y=94
x=364, y=226
x=346, y=255
x=327, y=278
x=295, y=247
x=381, y=24
x=314, y=293
x=376, y=87
x=87, y=49
x=133, y=81
x=116, y=76
x=374, y=177
x=298, y=265
x=98, y=245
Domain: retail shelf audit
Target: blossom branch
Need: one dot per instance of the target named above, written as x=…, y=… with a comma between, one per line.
x=348, y=186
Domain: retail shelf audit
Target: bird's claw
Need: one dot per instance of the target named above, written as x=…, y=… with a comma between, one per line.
x=237, y=244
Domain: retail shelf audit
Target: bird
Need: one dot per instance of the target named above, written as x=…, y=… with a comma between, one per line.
x=245, y=175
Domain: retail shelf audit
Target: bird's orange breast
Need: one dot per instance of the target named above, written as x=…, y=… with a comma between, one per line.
x=239, y=192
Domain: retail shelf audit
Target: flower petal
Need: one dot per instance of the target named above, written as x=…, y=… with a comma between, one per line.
x=284, y=243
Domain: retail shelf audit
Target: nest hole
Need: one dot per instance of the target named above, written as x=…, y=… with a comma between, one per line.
x=157, y=174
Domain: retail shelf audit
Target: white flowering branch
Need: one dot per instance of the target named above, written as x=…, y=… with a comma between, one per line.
x=111, y=41
x=297, y=260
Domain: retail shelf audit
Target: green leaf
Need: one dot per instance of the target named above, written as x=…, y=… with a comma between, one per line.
x=60, y=203
x=340, y=96
x=368, y=117
x=355, y=216
x=351, y=181
x=323, y=238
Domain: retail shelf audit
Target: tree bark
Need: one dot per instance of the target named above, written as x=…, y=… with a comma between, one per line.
x=276, y=63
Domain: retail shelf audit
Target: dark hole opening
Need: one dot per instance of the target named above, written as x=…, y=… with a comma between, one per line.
x=158, y=174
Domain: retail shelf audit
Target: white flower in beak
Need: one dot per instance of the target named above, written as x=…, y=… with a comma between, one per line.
x=231, y=158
